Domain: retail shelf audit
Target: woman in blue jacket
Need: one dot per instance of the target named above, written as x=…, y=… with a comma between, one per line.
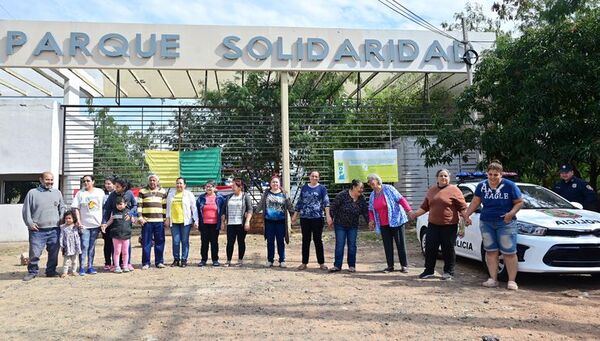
x=387, y=215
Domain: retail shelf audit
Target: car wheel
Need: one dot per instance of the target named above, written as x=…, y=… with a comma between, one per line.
x=422, y=238
x=502, y=272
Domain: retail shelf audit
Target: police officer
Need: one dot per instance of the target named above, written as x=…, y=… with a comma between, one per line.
x=575, y=189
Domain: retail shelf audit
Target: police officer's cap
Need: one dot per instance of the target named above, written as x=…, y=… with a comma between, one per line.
x=566, y=168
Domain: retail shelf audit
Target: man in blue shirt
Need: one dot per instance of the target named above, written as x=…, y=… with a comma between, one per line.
x=575, y=189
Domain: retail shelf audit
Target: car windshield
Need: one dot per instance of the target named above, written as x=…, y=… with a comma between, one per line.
x=537, y=197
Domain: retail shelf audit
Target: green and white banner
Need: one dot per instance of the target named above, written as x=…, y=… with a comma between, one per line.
x=357, y=164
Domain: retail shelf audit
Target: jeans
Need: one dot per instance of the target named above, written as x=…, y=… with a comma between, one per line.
x=499, y=235
x=47, y=238
x=181, y=236
x=209, y=236
x=88, y=247
x=121, y=249
x=235, y=232
x=275, y=230
x=342, y=235
x=444, y=235
x=150, y=231
x=389, y=235
x=312, y=229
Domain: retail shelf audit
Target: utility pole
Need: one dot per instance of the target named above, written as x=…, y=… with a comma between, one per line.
x=466, y=42
x=478, y=154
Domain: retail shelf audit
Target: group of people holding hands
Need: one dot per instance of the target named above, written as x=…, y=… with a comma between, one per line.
x=113, y=211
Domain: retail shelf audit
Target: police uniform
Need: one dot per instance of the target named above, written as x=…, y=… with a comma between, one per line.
x=577, y=190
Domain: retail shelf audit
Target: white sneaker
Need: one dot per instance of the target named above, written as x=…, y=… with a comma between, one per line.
x=118, y=270
x=146, y=267
x=282, y=265
x=490, y=283
x=268, y=264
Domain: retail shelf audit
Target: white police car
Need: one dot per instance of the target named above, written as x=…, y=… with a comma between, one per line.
x=555, y=236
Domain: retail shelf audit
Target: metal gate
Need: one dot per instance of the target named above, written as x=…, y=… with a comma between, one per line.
x=110, y=140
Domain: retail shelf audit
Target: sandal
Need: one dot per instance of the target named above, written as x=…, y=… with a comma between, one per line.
x=323, y=267
x=490, y=283
x=302, y=267
x=512, y=285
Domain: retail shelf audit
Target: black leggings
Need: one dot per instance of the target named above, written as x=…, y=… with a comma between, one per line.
x=312, y=229
x=444, y=235
x=389, y=235
x=108, y=249
x=236, y=232
x=209, y=236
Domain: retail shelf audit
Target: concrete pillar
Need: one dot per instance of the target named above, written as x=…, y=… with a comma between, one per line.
x=69, y=180
x=72, y=92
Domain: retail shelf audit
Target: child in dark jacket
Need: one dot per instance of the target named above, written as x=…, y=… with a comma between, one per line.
x=119, y=229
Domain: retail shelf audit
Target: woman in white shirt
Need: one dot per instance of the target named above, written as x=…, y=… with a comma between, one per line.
x=88, y=209
x=236, y=215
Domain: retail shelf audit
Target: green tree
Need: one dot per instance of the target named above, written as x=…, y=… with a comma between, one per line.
x=252, y=111
x=531, y=13
x=475, y=20
x=119, y=150
x=537, y=99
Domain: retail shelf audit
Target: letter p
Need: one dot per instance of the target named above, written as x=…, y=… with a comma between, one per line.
x=14, y=39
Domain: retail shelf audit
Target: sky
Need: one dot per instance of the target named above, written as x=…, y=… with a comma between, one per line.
x=369, y=14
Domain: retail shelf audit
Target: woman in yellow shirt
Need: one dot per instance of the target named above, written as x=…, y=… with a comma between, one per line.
x=182, y=214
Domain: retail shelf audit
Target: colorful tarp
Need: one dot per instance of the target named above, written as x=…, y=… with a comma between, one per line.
x=195, y=166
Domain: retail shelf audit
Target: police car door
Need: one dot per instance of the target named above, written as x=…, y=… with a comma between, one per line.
x=469, y=245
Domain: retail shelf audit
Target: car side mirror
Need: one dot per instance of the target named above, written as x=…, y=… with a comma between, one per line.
x=577, y=205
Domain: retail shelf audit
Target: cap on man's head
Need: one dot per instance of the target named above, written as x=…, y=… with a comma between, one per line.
x=565, y=168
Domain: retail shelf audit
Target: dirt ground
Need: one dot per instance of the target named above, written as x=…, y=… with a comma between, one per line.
x=253, y=302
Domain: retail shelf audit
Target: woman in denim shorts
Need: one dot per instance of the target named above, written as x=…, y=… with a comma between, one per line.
x=501, y=199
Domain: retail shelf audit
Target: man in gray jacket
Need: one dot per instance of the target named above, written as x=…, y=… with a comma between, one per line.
x=42, y=211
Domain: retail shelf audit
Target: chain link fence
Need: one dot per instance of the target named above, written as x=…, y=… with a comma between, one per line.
x=111, y=140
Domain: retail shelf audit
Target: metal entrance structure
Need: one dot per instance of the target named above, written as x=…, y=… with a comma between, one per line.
x=95, y=60
x=110, y=140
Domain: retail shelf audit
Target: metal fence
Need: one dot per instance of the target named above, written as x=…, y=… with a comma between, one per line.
x=110, y=140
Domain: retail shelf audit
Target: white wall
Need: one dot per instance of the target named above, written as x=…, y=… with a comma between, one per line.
x=29, y=136
x=30, y=143
x=12, y=228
